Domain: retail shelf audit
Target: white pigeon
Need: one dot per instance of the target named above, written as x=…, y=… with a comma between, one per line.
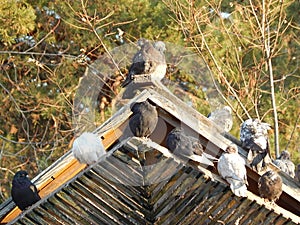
x=88, y=148
x=222, y=117
x=285, y=164
x=231, y=167
x=254, y=137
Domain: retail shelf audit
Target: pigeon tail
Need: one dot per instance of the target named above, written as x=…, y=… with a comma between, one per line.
x=238, y=187
x=201, y=159
x=240, y=191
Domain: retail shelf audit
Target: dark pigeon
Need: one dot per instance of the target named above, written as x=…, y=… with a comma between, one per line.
x=150, y=60
x=270, y=186
x=187, y=147
x=144, y=119
x=254, y=137
x=231, y=167
x=23, y=192
x=285, y=164
x=222, y=117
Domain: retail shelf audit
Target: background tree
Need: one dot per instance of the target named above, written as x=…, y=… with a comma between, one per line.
x=47, y=45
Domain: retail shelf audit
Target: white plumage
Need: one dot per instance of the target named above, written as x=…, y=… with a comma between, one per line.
x=88, y=148
x=231, y=167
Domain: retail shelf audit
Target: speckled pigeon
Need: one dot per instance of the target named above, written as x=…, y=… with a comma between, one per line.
x=254, y=137
x=270, y=186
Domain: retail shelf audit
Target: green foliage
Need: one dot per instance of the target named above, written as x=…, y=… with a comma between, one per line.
x=16, y=19
x=38, y=87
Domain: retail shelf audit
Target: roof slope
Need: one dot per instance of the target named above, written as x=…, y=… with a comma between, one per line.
x=120, y=190
x=125, y=188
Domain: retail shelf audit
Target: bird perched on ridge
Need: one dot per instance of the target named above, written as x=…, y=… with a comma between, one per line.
x=150, y=60
x=187, y=147
x=231, y=167
x=23, y=192
x=254, y=137
x=285, y=164
x=297, y=173
x=144, y=119
x=270, y=186
x=88, y=148
x=222, y=117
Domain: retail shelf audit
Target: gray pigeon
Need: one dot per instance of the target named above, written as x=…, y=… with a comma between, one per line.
x=270, y=186
x=149, y=60
x=144, y=119
x=222, y=117
x=231, y=167
x=254, y=137
x=187, y=147
x=297, y=174
x=285, y=164
x=88, y=148
x=23, y=192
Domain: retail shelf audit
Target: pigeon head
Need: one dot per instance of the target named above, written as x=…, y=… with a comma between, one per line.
x=271, y=174
x=137, y=106
x=227, y=108
x=160, y=46
x=21, y=179
x=21, y=175
x=141, y=42
x=285, y=155
x=232, y=149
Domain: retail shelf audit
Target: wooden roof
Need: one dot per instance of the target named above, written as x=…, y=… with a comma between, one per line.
x=122, y=189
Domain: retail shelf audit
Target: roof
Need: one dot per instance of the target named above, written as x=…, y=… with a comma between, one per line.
x=123, y=189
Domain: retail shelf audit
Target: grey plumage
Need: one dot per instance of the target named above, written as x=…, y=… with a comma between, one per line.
x=231, y=167
x=285, y=164
x=297, y=173
x=254, y=137
x=150, y=60
x=222, y=117
x=187, y=147
x=144, y=119
x=270, y=186
x=88, y=148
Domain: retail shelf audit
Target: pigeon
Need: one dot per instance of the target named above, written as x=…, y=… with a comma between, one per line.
x=231, y=167
x=222, y=117
x=270, y=186
x=187, y=147
x=285, y=164
x=254, y=137
x=23, y=192
x=88, y=148
x=150, y=60
x=144, y=119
